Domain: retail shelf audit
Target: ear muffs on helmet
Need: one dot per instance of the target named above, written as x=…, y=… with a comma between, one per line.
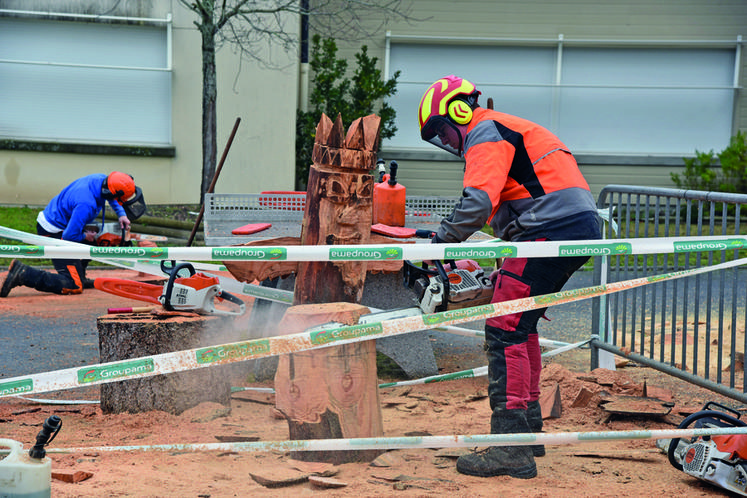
x=460, y=112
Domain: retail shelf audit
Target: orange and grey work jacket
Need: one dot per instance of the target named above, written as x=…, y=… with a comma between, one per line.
x=520, y=178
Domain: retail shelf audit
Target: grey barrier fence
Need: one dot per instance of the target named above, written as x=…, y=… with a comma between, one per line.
x=692, y=328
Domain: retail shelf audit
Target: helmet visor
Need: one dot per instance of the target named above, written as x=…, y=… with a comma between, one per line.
x=135, y=206
x=444, y=134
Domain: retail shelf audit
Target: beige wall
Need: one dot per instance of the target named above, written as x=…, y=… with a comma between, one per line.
x=261, y=156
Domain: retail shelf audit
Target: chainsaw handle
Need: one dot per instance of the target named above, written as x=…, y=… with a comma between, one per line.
x=233, y=299
x=712, y=414
x=173, y=275
x=445, y=282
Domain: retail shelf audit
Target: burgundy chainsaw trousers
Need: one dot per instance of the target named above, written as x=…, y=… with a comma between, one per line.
x=511, y=341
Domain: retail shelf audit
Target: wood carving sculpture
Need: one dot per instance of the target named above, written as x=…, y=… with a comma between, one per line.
x=330, y=392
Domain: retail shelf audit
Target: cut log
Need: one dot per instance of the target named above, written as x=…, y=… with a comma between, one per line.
x=327, y=393
x=127, y=336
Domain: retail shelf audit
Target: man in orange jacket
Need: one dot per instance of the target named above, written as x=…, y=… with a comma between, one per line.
x=522, y=180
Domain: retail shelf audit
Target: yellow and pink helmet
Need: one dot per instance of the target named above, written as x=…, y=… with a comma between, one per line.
x=445, y=111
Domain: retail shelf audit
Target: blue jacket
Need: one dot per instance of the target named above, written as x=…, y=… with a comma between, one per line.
x=78, y=205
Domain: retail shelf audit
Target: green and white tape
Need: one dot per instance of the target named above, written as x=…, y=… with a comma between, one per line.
x=271, y=346
x=150, y=267
x=410, y=442
x=368, y=252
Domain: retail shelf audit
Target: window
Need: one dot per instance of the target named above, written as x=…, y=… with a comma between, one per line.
x=85, y=82
x=618, y=98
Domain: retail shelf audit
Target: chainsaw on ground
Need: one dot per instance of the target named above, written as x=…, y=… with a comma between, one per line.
x=458, y=284
x=196, y=292
x=720, y=460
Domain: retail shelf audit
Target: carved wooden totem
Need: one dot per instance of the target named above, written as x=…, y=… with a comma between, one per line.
x=332, y=392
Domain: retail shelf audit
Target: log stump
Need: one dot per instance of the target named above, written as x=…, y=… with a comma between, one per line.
x=330, y=392
x=128, y=336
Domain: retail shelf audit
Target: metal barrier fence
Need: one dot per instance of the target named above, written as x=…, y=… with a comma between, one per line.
x=693, y=328
x=224, y=212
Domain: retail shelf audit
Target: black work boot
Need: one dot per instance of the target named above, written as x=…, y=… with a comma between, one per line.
x=16, y=272
x=512, y=461
x=534, y=419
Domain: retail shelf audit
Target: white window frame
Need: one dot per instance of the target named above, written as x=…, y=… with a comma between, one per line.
x=556, y=87
x=141, y=129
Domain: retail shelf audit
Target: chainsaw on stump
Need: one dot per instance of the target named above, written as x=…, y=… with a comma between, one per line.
x=720, y=460
x=196, y=293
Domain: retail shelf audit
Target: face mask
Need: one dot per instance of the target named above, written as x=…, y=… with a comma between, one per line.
x=135, y=206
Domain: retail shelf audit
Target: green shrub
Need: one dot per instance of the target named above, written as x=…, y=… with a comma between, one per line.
x=702, y=172
x=333, y=93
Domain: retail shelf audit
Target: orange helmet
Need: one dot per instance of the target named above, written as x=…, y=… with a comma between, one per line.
x=119, y=186
x=445, y=111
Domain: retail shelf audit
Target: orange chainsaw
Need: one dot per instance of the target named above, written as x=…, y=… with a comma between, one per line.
x=196, y=292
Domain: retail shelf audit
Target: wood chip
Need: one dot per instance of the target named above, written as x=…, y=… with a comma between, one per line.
x=236, y=439
x=254, y=397
x=323, y=469
x=551, y=405
x=326, y=482
x=453, y=452
x=386, y=460
x=276, y=477
x=72, y=477
x=479, y=395
x=632, y=405
x=399, y=400
x=582, y=398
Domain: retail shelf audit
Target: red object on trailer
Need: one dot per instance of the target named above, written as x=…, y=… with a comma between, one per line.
x=397, y=232
x=389, y=200
x=250, y=228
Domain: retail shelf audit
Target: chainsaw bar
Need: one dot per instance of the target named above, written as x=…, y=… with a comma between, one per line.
x=140, y=291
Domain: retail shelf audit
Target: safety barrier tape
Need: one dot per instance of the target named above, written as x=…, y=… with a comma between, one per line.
x=409, y=442
x=145, y=266
x=320, y=337
x=151, y=267
x=390, y=252
x=474, y=372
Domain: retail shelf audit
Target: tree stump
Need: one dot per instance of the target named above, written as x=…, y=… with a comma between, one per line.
x=130, y=336
x=327, y=393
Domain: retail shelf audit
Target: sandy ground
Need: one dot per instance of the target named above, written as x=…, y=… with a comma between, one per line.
x=460, y=407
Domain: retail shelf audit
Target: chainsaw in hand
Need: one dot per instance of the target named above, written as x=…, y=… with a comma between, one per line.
x=197, y=292
x=459, y=284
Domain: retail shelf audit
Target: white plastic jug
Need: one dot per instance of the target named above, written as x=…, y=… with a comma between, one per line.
x=22, y=476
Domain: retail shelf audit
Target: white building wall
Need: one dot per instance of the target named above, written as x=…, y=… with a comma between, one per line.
x=260, y=158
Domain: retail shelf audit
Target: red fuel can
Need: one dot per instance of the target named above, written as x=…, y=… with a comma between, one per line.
x=389, y=200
